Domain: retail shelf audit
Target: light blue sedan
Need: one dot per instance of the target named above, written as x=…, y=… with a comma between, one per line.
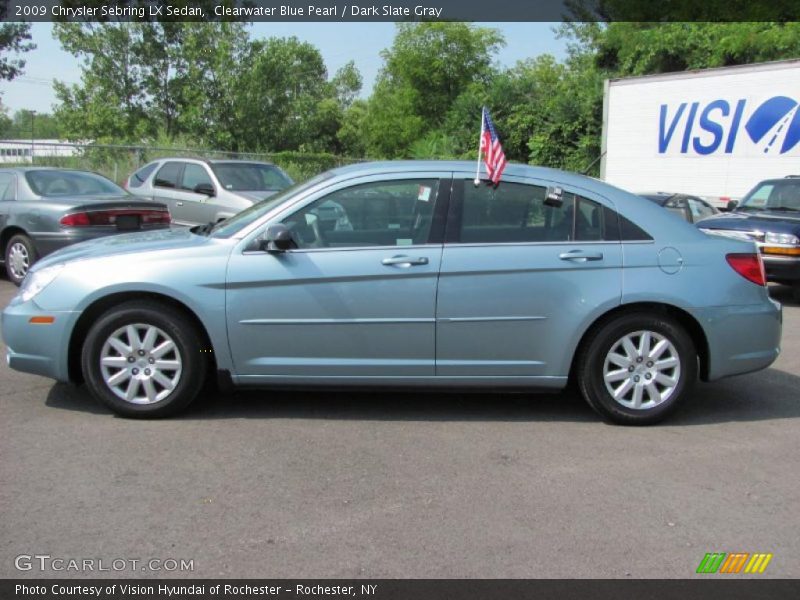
x=405, y=275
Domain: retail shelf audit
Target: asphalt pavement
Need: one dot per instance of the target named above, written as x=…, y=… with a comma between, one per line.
x=386, y=485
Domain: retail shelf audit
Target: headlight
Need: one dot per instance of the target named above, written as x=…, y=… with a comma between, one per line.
x=36, y=281
x=780, y=238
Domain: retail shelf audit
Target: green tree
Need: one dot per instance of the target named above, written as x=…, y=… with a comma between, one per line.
x=425, y=71
x=285, y=101
x=278, y=99
x=351, y=131
x=43, y=126
x=14, y=38
x=139, y=79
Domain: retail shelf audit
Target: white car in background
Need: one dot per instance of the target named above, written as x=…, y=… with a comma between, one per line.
x=199, y=191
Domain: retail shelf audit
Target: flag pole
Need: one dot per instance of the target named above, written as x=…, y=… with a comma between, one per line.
x=480, y=142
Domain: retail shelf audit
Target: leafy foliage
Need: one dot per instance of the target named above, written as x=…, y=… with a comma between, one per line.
x=14, y=37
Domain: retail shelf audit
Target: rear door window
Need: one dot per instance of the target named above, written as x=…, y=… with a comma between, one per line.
x=509, y=213
x=168, y=175
x=516, y=212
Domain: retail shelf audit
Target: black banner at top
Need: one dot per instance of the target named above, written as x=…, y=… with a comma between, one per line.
x=400, y=10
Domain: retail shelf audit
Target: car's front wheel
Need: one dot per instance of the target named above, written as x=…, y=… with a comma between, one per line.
x=20, y=254
x=636, y=368
x=144, y=359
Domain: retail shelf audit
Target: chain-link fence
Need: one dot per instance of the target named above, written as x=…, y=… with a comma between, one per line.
x=117, y=162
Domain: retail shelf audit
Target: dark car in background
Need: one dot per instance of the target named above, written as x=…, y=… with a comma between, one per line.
x=770, y=216
x=201, y=191
x=43, y=209
x=689, y=208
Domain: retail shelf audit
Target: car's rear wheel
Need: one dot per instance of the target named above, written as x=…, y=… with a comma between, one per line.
x=20, y=254
x=636, y=368
x=144, y=359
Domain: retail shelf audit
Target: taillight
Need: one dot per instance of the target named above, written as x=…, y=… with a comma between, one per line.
x=151, y=217
x=749, y=266
x=109, y=217
x=75, y=220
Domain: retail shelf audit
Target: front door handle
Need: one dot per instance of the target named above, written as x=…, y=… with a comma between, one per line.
x=404, y=261
x=179, y=203
x=580, y=256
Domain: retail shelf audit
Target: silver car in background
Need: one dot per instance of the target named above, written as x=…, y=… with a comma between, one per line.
x=406, y=275
x=206, y=191
x=43, y=209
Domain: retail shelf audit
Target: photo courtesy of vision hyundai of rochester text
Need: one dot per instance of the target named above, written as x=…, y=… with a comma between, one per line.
x=405, y=275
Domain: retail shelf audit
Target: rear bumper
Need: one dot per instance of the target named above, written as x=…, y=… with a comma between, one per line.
x=782, y=268
x=741, y=339
x=38, y=349
x=48, y=242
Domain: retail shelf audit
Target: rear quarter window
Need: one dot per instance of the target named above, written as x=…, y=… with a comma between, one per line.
x=140, y=176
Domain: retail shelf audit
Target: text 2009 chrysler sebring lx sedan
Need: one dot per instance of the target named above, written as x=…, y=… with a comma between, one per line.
x=406, y=274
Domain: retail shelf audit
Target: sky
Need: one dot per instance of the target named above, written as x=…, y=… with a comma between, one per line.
x=338, y=43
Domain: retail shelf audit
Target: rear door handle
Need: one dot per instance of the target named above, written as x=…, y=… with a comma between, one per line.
x=580, y=256
x=179, y=203
x=404, y=261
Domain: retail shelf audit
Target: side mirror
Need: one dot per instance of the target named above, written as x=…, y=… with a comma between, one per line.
x=204, y=188
x=732, y=204
x=278, y=238
x=554, y=197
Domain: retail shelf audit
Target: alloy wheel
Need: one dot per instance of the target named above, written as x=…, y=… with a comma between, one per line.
x=18, y=260
x=642, y=370
x=141, y=364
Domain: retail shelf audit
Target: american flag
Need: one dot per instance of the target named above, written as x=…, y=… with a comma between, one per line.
x=492, y=149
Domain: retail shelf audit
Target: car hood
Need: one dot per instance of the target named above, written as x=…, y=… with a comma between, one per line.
x=255, y=196
x=161, y=240
x=762, y=220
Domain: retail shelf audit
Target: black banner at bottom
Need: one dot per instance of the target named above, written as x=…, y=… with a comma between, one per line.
x=395, y=589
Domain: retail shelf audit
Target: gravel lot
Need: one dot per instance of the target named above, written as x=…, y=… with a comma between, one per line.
x=390, y=485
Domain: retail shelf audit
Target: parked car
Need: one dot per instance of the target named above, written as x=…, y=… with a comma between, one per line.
x=43, y=209
x=202, y=191
x=770, y=216
x=434, y=282
x=687, y=207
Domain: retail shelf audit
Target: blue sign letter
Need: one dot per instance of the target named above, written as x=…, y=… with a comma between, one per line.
x=663, y=140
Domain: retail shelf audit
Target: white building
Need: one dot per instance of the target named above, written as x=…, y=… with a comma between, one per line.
x=19, y=151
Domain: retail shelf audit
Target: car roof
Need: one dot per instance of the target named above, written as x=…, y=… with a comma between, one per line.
x=44, y=168
x=213, y=161
x=791, y=179
x=390, y=166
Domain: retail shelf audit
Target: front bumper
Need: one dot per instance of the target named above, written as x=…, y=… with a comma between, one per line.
x=41, y=349
x=741, y=339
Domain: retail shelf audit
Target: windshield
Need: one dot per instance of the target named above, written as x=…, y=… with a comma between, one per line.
x=251, y=177
x=249, y=215
x=53, y=183
x=776, y=195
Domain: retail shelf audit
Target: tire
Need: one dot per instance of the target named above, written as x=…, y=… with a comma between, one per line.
x=20, y=254
x=796, y=292
x=652, y=389
x=159, y=380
